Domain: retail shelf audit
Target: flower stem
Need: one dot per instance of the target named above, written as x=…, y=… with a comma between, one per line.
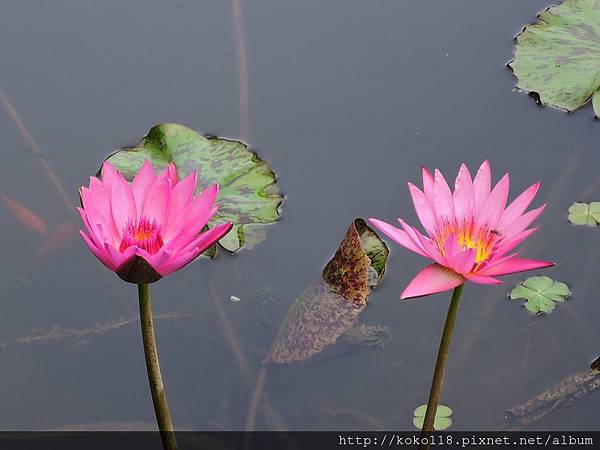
x=159, y=398
x=440, y=364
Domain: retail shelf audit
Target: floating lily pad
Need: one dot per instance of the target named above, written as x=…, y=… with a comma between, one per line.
x=556, y=59
x=585, y=214
x=331, y=305
x=541, y=293
x=442, y=417
x=248, y=196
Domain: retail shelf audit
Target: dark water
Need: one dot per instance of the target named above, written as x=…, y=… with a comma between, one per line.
x=346, y=100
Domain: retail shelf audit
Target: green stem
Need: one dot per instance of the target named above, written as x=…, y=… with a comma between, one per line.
x=440, y=364
x=159, y=398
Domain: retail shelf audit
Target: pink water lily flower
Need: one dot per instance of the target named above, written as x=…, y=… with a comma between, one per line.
x=469, y=232
x=150, y=227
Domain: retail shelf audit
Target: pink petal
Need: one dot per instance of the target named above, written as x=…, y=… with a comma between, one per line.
x=181, y=197
x=430, y=280
x=429, y=248
x=95, y=230
x=177, y=262
x=494, y=205
x=428, y=184
x=480, y=279
x=482, y=185
x=463, y=196
x=506, y=245
x=157, y=202
x=122, y=203
x=197, y=214
x=207, y=238
x=109, y=176
x=423, y=208
x=513, y=265
x=101, y=254
x=172, y=174
x=522, y=222
x=119, y=258
x=97, y=210
x=397, y=235
x=518, y=206
x=443, y=201
x=461, y=261
x=141, y=185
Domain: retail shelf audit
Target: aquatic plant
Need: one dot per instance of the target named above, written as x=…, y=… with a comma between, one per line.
x=249, y=196
x=555, y=58
x=540, y=294
x=470, y=233
x=143, y=231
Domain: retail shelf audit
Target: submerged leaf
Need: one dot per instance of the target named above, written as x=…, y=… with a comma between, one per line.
x=556, y=59
x=442, y=417
x=585, y=214
x=330, y=306
x=565, y=393
x=248, y=196
x=541, y=293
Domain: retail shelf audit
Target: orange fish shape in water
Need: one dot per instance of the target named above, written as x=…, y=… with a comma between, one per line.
x=24, y=215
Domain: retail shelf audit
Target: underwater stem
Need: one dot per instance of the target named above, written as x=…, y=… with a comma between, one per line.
x=440, y=364
x=159, y=398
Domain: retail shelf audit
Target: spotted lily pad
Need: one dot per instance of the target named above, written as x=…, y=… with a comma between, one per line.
x=248, y=196
x=442, y=417
x=556, y=59
x=541, y=293
x=585, y=214
x=331, y=305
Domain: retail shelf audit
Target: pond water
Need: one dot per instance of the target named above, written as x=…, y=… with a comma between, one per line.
x=346, y=100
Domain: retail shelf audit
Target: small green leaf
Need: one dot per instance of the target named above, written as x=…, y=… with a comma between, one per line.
x=556, y=58
x=442, y=417
x=585, y=214
x=541, y=293
x=248, y=196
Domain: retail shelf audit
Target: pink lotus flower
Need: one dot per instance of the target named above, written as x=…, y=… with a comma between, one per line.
x=470, y=231
x=150, y=227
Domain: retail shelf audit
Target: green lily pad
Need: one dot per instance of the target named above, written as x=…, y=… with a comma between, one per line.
x=585, y=214
x=541, y=293
x=442, y=417
x=249, y=196
x=556, y=59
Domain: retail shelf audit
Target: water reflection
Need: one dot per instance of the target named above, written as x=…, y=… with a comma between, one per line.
x=346, y=113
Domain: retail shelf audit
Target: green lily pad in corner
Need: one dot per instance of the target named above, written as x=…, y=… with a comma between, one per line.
x=541, y=293
x=585, y=214
x=249, y=196
x=556, y=59
x=442, y=417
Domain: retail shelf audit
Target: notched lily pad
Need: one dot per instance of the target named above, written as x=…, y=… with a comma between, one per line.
x=249, y=196
x=556, y=59
x=585, y=214
x=442, y=417
x=541, y=293
x=331, y=305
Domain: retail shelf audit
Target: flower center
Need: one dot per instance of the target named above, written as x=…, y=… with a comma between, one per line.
x=482, y=240
x=144, y=234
